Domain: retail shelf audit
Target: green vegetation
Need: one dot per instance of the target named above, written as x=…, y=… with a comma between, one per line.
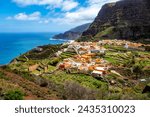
x=54, y=61
x=60, y=77
x=67, y=55
x=130, y=65
x=14, y=95
x=48, y=52
x=105, y=32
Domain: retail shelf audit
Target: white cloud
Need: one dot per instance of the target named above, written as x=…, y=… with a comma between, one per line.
x=37, y=2
x=45, y=21
x=100, y=1
x=65, y=5
x=26, y=17
x=84, y=14
x=78, y=16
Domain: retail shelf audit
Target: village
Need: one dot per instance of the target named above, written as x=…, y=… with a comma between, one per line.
x=108, y=65
x=89, y=56
x=87, y=59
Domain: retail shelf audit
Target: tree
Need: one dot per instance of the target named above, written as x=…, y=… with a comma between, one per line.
x=137, y=69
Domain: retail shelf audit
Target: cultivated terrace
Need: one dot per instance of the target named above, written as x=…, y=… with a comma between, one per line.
x=107, y=69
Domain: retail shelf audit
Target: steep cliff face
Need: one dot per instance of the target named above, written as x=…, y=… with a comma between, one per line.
x=126, y=19
x=68, y=35
x=73, y=33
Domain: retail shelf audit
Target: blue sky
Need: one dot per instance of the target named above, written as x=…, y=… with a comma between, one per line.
x=47, y=15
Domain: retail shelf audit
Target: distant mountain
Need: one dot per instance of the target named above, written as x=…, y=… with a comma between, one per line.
x=126, y=19
x=73, y=33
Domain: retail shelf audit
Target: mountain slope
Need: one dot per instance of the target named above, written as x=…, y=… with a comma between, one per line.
x=73, y=33
x=124, y=19
x=38, y=77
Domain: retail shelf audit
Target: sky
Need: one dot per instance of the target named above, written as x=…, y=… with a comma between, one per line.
x=47, y=15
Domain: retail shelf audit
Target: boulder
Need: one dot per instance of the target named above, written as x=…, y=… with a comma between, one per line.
x=147, y=89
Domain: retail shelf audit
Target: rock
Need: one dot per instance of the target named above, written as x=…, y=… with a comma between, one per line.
x=41, y=81
x=126, y=79
x=147, y=89
x=68, y=35
x=125, y=19
x=143, y=80
x=114, y=72
x=112, y=82
x=126, y=84
x=73, y=33
x=44, y=84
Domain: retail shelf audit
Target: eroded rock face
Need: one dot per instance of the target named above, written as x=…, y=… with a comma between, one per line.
x=124, y=19
x=74, y=33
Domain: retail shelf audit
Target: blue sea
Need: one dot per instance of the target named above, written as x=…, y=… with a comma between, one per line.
x=14, y=44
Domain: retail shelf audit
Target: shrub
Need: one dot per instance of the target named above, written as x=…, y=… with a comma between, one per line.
x=137, y=69
x=3, y=76
x=54, y=61
x=74, y=90
x=147, y=48
x=14, y=95
x=113, y=96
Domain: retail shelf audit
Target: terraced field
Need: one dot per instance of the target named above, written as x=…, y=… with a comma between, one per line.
x=123, y=80
x=65, y=55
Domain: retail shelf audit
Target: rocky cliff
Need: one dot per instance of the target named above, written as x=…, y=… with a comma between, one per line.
x=73, y=33
x=126, y=19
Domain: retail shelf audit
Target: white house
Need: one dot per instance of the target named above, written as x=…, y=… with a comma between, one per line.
x=100, y=68
x=126, y=46
x=71, y=41
x=96, y=73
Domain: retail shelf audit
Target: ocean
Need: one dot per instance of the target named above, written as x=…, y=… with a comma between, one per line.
x=15, y=44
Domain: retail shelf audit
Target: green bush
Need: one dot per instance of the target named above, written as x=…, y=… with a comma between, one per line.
x=147, y=48
x=54, y=61
x=14, y=95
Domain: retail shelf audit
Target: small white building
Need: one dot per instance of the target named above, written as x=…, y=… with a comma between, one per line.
x=58, y=53
x=71, y=41
x=39, y=49
x=126, y=46
x=102, y=51
x=100, y=68
x=96, y=73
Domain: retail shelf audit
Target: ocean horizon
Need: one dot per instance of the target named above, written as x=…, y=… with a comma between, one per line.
x=13, y=45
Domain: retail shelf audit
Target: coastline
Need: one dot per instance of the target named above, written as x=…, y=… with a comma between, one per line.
x=16, y=44
x=95, y=66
